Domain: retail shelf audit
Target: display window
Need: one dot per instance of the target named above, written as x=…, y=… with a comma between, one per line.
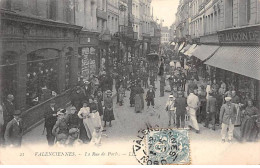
x=88, y=62
x=42, y=76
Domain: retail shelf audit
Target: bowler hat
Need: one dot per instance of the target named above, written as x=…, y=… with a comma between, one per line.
x=17, y=112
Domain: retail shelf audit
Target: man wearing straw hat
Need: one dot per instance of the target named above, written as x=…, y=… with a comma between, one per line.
x=227, y=118
x=171, y=110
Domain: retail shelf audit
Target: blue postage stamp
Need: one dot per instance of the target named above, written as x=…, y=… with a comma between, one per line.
x=168, y=146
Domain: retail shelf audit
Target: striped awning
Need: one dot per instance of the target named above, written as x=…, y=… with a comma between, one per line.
x=190, y=50
x=244, y=60
x=205, y=51
x=185, y=48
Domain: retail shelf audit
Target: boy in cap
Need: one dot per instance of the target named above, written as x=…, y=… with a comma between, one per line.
x=61, y=126
x=227, y=118
x=14, y=131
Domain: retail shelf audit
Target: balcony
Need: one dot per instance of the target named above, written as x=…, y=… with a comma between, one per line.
x=102, y=14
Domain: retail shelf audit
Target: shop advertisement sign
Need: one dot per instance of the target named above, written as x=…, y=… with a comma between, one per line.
x=88, y=62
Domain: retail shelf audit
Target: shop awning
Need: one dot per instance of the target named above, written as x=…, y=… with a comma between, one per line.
x=244, y=60
x=205, y=51
x=185, y=48
x=181, y=46
x=190, y=50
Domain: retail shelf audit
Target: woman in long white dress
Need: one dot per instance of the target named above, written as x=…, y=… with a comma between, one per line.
x=84, y=113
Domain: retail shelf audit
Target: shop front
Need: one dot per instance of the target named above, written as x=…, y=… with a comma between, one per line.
x=38, y=63
x=89, y=55
x=237, y=61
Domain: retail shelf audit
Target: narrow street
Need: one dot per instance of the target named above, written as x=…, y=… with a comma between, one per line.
x=126, y=125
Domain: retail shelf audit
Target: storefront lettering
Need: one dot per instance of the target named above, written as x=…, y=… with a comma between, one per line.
x=249, y=36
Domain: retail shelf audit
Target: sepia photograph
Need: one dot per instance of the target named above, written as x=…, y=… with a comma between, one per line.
x=130, y=82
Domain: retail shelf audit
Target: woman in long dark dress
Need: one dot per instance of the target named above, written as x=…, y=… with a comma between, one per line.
x=249, y=128
x=108, y=112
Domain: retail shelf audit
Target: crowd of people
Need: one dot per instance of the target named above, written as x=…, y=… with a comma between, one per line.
x=209, y=102
x=192, y=101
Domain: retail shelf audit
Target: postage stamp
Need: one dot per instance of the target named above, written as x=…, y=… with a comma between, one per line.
x=163, y=147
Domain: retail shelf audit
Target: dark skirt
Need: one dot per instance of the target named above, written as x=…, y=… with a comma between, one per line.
x=108, y=115
x=249, y=129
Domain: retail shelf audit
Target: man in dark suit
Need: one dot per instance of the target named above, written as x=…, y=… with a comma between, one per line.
x=14, y=131
x=211, y=109
x=180, y=104
x=50, y=116
x=9, y=108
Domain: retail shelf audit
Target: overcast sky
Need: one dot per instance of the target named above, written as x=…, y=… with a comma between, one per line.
x=165, y=9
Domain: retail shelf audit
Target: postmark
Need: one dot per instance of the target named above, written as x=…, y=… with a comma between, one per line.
x=162, y=147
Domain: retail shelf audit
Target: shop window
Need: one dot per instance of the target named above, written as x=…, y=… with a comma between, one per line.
x=8, y=69
x=88, y=62
x=42, y=76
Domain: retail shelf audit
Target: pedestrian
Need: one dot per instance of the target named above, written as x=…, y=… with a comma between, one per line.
x=96, y=119
x=180, y=105
x=192, y=85
x=193, y=105
x=139, y=98
x=73, y=118
x=162, y=84
x=9, y=109
x=50, y=116
x=211, y=109
x=227, y=118
x=201, y=113
x=61, y=125
x=77, y=97
x=108, y=111
x=150, y=95
x=132, y=94
x=145, y=79
x=152, y=79
x=121, y=92
x=100, y=106
x=84, y=114
x=14, y=131
x=235, y=99
x=171, y=110
x=249, y=127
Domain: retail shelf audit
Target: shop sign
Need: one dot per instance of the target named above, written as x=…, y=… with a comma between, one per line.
x=88, y=62
x=248, y=35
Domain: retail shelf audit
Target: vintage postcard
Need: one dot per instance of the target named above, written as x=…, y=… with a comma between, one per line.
x=130, y=82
